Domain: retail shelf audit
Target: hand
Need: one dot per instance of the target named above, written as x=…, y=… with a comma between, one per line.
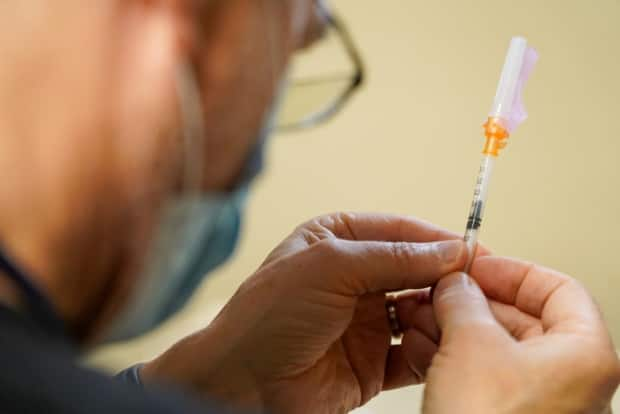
x=308, y=332
x=539, y=345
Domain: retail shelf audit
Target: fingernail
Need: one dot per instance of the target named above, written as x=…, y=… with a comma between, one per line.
x=450, y=251
x=465, y=280
x=468, y=282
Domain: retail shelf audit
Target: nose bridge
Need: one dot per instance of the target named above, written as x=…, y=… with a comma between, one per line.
x=300, y=16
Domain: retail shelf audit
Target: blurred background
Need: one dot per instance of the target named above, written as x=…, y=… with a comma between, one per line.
x=410, y=143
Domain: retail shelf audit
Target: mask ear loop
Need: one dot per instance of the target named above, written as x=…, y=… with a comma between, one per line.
x=193, y=132
x=192, y=154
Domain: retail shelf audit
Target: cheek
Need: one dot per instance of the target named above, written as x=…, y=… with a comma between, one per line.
x=148, y=120
x=245, y=55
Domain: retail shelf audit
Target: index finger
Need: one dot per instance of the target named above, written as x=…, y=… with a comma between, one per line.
x=559, y=301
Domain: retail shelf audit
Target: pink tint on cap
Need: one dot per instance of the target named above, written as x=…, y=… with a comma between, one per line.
x=518, y=115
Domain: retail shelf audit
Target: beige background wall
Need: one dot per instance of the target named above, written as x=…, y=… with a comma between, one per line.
x=410, y=144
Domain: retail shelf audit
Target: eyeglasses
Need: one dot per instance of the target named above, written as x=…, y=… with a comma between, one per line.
x=311, y=100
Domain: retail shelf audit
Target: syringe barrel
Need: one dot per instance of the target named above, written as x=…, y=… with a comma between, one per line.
x=476, y=214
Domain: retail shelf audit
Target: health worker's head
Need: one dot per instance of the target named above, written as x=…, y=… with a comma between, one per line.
x=101, y=104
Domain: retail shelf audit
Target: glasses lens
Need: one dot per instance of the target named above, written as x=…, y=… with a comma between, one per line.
x=321, y=77
x=309, y=102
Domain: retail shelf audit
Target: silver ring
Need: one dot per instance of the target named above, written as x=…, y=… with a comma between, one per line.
x=392, y=315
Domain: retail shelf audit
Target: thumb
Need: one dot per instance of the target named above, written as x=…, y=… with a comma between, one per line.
x=461, y=308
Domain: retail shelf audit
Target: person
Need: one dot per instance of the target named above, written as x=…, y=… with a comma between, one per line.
x=130, y=133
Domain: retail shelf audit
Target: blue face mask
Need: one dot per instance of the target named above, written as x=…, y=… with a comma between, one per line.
x=196, y=235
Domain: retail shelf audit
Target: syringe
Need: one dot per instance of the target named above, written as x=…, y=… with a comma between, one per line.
x=507, y=114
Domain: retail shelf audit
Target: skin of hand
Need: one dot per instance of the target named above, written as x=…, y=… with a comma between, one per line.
x=537, y=345
x=308, y=332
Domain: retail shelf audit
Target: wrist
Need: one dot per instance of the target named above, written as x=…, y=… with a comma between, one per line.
x=206, y=364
